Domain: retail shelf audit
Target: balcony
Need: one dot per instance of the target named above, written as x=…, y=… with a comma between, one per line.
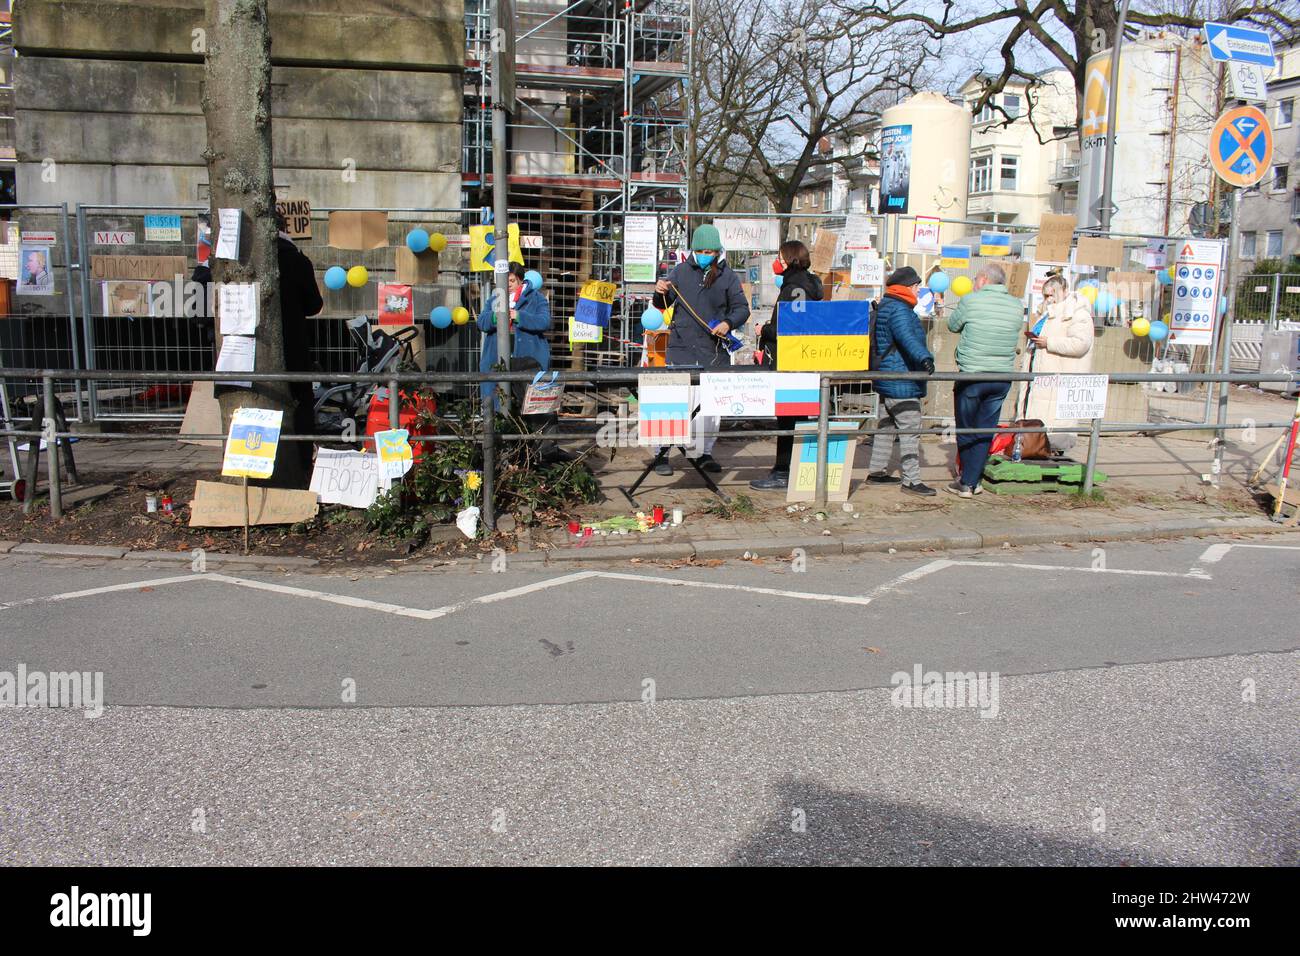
x=1066, y=170
x=1295, y=205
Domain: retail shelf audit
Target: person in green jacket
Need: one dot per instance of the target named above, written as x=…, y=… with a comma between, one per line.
x=990, y=321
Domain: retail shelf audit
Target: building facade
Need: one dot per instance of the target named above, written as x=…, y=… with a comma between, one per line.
x=1270, y=212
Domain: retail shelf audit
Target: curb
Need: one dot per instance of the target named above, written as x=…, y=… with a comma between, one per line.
x=710, y=549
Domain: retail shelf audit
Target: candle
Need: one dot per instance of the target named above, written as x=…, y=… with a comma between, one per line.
x=658, y=514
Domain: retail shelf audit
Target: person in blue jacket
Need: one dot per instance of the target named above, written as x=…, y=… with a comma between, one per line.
x=899, y=343
x=530, y=320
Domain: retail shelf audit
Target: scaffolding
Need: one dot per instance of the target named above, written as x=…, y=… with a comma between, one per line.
x=599, y=131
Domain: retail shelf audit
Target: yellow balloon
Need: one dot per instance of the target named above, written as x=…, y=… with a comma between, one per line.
x=1140, y=327
x=358, y=276
x=961, y=285
x=438, y=242
x=1089, y=292
x=460, y=315
x=1168, y=319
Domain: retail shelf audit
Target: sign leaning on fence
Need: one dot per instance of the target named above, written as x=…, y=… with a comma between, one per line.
x=252, y=443
x=1195, y=307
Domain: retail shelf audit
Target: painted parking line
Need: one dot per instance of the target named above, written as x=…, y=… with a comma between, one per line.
x=107, y=589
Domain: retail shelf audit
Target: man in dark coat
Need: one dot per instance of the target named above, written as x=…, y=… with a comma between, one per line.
x=708, y=303
x=299, y=298
x=798, y=284
x=899, y=343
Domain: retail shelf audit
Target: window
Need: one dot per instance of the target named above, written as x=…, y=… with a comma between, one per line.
x=1248, y=245
x=1010, y=164
x=1278, y=183
x=984, y=115
x=1284, y=109
x=798, y=200
x=981, y=174
x=827, y=200
x=1273, y=244
x=1011, y=103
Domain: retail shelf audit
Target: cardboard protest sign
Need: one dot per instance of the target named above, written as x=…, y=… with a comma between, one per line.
x=595, y=303
x=823, y=251
x=220, y=505
x=482, y=247
x=840, y=449
x=202, y=416
x=1017, y=278
x=346, y=477
x=149, y=268
x=297, y=217
x=1095, y=251
x=1055, y=235
x=823, y=336
x=358, y=230
x=415, y=269
x=252, y=443
x=126, y=298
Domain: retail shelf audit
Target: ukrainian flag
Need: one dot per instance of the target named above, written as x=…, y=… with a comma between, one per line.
x=995, y=243
x=823, y=336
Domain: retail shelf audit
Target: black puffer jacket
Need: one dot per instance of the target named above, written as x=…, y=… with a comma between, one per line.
x=689, y=343
x=796, y=284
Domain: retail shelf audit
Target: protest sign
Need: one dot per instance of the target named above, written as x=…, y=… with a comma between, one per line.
x=345, y=477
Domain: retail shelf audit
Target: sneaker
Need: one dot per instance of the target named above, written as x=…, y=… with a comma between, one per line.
x=663, y=468
x=708, y=463
x=958, y=489
x=977, y=490
x=883, y=478
x=776, y=481
x=919, y=488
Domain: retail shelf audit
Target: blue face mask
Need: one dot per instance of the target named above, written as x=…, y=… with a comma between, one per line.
x=704, y=261
x=778, y=280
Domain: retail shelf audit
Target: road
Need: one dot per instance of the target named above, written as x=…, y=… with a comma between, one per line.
x=1140, y=705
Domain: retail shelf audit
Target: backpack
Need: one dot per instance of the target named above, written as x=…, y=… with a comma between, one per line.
x=876, y=356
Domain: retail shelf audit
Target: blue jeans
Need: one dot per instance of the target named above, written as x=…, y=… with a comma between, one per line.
x=976, y=405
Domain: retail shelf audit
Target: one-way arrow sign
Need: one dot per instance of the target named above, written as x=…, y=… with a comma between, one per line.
x=1241, y=44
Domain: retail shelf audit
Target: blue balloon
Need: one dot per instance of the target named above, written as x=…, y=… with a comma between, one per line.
x=652, y=319
x=939, y=282
x=778, y=280
x=1088, y=282
x=336, y=277
x=417, y=240
x=440, y=317
x=533, y=278
x=1104, y=303
x=1159, y=331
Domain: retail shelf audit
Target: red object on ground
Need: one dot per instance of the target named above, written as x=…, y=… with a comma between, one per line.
x=411, y=409
x=165, y=392
x=574, y=527
x=659, y=514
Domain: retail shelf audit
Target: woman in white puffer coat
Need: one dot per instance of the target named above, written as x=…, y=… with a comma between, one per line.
x=1060, y=344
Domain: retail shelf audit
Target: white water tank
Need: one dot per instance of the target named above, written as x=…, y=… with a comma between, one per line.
x=940, y=157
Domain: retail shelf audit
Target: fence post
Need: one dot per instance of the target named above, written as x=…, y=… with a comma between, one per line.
x=488, y=513
x=1094, y=439
x=64, y=231
x=87, y=319
x=1272, y=310
x=394, y=406
x=823, y=438
x=51, y=449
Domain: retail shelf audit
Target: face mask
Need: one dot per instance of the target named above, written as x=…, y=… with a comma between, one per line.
x=778, y=280
x=703, y=261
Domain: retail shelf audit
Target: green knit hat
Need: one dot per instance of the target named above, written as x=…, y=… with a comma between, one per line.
x=705, y=237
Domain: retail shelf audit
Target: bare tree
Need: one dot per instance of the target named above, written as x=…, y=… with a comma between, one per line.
x=1068, y=31
x=237, y=108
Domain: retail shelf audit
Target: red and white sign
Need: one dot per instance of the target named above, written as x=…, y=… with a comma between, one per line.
x=115, y=238
x=1197, y=275
x=396, y=304
x=38, y=238
x=925, y=234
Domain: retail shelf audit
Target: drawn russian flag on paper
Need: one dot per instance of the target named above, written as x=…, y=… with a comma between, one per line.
x=797, y=394
x=823, y=336
x=665, y=423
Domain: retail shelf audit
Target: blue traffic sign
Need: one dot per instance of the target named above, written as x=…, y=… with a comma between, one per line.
x=1239, y=44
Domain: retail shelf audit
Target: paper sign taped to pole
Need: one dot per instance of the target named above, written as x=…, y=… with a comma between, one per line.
x=252, y=443
x=395, y=455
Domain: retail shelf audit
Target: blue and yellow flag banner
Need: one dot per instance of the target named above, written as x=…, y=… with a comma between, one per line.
x=252, y=443
x=595, y=303
x=482, y=247
x=823, y=336
x=954, y=257
x=995, y=243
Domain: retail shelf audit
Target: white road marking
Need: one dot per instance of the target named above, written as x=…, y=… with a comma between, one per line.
x=677, y=582
x=913, y=575
x=1215, y=552
x=107, y=589
x=1068, y=567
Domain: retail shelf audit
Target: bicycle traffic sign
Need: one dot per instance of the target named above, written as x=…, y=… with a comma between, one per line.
x=1241, y=146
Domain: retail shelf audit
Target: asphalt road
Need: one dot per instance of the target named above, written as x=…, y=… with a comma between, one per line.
x=1144, y=711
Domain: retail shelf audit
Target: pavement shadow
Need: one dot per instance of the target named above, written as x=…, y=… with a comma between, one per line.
x=843, y=828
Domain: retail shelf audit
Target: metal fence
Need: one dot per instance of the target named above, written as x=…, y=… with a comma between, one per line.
x=488, y=438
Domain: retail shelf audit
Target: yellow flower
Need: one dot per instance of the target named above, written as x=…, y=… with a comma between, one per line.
x=473, y=480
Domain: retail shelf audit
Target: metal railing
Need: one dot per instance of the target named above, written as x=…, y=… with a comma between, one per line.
x=488, y=437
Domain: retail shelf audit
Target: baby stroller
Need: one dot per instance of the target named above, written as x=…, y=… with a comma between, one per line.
x=378, y=351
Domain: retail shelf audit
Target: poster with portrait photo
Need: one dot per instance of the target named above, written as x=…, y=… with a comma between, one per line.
x=35, y=271
x=895, y=168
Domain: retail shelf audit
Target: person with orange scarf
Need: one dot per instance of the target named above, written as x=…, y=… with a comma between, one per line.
x=899, y=343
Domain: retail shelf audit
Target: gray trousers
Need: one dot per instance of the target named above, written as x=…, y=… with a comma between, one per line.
x=898, y=414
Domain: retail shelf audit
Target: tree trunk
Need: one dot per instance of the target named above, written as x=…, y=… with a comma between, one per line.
x=237, y=108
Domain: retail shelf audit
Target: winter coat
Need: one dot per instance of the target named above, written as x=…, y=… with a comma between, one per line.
x=796, y=284
x=688, y=342
x=991, y=322
x=531, y=325
x=299, y=298
x=1068, y=330
x=900, y=343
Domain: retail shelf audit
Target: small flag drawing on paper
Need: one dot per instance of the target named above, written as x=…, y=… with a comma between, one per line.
x=595, y=303
x=954, y=257
x=798, y=395
x=995, y=243
x=663, y=409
